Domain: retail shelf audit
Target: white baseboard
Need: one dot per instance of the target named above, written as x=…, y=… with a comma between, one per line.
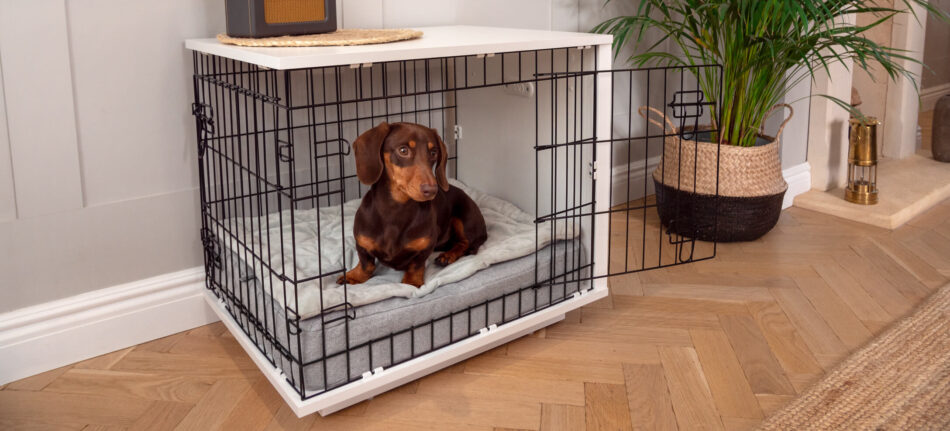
x=929, y=96
x=798, y=178
x=620, y=194
x=58, y=333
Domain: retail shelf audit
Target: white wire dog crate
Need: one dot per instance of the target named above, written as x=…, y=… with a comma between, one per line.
x=536, y=118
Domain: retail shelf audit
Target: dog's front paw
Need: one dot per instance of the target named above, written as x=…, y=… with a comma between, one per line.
x=446, y=259
x=414, y=276
x=354, y=276
x=417, y=283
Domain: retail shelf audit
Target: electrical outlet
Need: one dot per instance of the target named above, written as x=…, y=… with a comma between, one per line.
x=524, y=89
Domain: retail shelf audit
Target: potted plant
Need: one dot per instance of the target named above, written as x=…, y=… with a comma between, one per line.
x=765, y=47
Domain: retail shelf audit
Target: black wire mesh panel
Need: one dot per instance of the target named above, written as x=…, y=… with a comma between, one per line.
x=275, y=167
x=637, y=150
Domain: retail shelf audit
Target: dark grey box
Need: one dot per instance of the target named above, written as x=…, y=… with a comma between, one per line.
x=266, y=18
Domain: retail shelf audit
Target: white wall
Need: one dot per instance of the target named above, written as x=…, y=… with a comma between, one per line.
x=97, y=165
x=7, y=193
x=828, y=129
x=97, y=148
x=38, y=93
x=873, y=85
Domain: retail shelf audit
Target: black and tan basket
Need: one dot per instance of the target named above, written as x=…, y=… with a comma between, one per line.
x=737, y=199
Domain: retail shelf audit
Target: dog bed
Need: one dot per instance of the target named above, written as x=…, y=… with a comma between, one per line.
x=322, y=243
x=419, y=325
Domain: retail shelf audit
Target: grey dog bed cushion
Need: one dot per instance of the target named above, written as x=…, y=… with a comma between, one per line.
x=397, y=315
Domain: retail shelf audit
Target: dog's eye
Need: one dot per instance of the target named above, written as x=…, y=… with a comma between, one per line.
x=433, y=153
x=403, y=151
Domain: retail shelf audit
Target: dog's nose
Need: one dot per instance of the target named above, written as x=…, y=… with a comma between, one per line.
x=429, y=190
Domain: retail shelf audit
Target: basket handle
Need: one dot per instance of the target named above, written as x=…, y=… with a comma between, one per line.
x=642, y=111
x=791, y=112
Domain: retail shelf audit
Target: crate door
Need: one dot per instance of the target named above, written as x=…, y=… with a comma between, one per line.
x=599, y=159
x=656, y=117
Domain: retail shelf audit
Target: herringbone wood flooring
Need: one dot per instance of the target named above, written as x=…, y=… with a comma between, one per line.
x=713, y=345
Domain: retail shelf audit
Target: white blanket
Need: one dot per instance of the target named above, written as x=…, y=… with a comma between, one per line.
x=511, y=234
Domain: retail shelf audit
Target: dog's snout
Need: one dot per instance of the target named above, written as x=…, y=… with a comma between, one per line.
x=429, y=190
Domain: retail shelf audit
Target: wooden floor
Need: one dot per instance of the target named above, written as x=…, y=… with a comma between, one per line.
x=716, y=344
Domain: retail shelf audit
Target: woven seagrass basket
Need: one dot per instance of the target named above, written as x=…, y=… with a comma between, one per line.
x=737, y=199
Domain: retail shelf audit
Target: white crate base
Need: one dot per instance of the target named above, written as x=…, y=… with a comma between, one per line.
x=390, y=378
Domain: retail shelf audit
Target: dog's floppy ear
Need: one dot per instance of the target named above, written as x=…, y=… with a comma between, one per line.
x=369, y=155
x=440, y=167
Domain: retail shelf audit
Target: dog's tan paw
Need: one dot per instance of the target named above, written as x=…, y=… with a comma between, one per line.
x=354, y=276
x=414, y=280
x=446, y=259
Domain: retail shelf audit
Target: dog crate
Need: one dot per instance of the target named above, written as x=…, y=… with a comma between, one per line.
x=540, y=130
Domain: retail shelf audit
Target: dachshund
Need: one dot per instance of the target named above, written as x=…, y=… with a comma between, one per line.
x=409, y=210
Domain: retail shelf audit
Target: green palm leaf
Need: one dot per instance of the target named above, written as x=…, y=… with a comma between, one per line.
x=765, y=47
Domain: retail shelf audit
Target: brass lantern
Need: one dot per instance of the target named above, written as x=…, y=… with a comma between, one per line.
x=862, y=162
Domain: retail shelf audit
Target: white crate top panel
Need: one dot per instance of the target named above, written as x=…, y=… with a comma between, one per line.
x=436, y=42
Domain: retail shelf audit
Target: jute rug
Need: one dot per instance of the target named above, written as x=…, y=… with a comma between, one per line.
x=349, y=36
x=900, y=381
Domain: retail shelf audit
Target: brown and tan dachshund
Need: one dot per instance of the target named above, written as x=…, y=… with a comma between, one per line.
x=409, y=211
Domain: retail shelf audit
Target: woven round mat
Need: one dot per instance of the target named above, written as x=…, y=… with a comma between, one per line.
x=900, y=381
x=342, y=37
